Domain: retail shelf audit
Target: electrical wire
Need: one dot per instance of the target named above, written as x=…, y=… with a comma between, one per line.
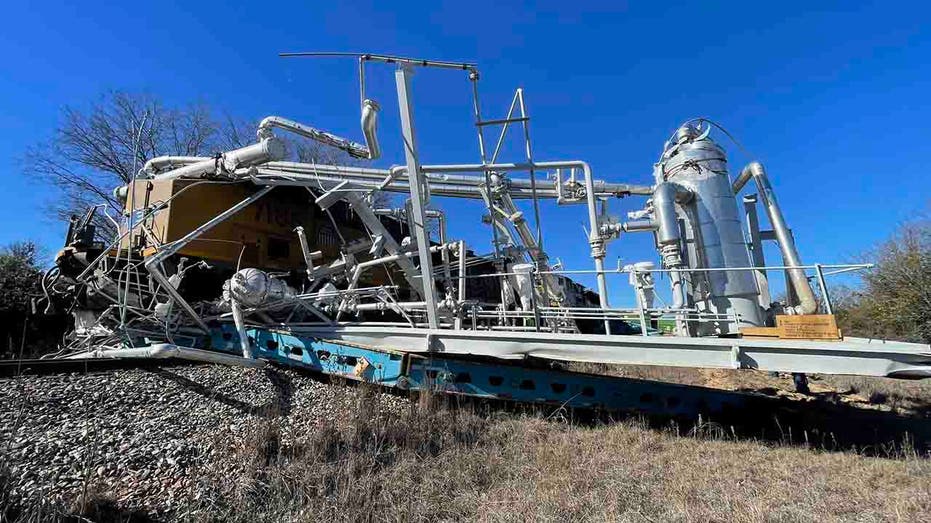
x=724, y=130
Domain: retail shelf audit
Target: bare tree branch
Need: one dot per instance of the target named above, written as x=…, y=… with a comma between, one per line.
x=99, y=147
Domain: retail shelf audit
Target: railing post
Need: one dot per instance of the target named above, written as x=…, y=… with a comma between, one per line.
x=533, y=297
x=643, y=319
x=824, y=289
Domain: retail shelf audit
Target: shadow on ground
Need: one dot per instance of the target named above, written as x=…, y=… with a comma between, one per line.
x=278, y=405
x=821, y=420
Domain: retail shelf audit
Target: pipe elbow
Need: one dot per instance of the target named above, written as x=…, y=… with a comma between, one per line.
x=265, y=127
x=268, y=149
x=751, y=170
x=665, y=197
x=808, y=305
x=370, y=128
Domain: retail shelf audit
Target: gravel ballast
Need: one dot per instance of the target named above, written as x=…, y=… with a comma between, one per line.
x=153, y=439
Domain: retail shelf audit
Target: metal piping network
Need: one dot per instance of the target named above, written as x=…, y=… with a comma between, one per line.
x=442, y=183
x=595, y=240
x=269, y=148
x=755, y=170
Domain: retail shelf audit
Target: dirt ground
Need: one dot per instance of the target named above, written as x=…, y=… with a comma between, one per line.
x=907, y=397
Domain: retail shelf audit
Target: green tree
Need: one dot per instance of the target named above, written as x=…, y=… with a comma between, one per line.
x=894, y=300
x=19, y=276
x=19, y=284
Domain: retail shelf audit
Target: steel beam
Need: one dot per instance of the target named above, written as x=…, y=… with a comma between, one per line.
x=419, y=199
x=876, y=358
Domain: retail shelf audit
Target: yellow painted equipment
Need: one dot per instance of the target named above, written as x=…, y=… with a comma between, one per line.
x=261, y=235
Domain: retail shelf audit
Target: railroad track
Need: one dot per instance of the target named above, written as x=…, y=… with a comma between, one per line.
x=35, y=367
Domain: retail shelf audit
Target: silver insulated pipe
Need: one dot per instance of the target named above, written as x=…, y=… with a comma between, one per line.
x=267, y=149
x=807, y=303
x=669, y=239
x=370, y=128
x=369, y=122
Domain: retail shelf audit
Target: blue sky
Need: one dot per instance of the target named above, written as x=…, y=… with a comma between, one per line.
x=832, y=97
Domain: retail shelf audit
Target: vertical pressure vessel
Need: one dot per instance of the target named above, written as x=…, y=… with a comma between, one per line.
x=713, y=233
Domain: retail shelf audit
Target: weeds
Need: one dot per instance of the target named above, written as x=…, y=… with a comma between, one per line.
x=440, y=463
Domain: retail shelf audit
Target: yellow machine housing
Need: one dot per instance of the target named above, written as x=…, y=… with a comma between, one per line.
x=261, y=235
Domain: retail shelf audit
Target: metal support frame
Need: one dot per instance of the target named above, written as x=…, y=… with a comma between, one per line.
x=828, y=308
x=344, y=191
x=533, y=245
x=419, y=199
x=153, y=264
x=461, y=282
x=755, y=244
x=499, y=333
x=486, y=379
x=533, y=177
x=305, y=251
x=486, y=189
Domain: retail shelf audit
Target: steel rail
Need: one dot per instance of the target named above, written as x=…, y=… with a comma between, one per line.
x=39, y=367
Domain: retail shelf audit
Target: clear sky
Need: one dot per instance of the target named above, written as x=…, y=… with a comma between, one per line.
x=832, y=97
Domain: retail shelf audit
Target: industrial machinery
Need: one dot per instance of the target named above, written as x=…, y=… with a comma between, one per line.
x=245, y=258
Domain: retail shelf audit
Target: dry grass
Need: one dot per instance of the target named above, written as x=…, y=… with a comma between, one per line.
x=449, y=464
x=900, y=395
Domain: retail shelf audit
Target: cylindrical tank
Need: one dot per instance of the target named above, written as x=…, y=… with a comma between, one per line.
x=255, y=288
x=713, y=234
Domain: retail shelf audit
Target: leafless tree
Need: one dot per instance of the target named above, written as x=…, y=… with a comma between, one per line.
x=99, y=147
